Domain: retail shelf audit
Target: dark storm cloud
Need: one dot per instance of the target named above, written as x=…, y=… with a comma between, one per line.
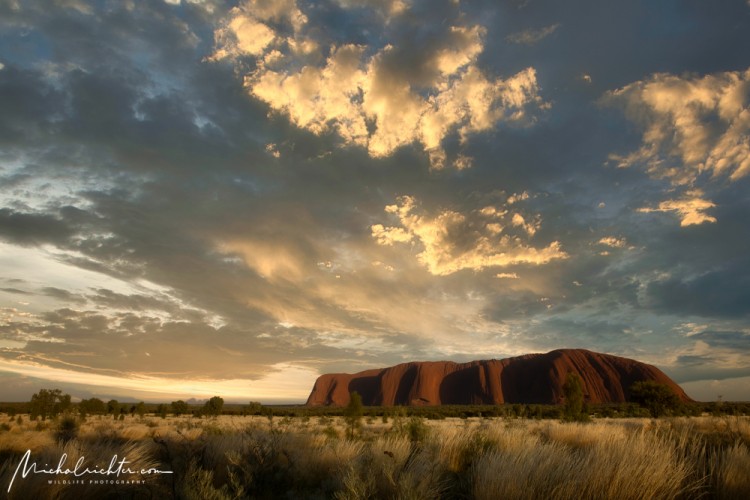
x=599, y=332
x=726, y=339
x=617, y=43
x=32, y=229
x=115, y=79
x=29, y=104
x=707, y=265
x=693, y=360
x=695, y=368
x=721, y=293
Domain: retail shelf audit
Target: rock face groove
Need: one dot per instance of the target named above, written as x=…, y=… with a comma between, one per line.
x=528, y=379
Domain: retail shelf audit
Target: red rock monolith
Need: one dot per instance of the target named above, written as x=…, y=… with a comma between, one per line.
x=528, y=379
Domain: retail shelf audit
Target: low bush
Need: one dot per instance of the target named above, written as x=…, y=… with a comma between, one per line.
x=67, y=428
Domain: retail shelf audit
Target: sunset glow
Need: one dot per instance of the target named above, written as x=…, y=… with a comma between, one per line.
x=209, y=197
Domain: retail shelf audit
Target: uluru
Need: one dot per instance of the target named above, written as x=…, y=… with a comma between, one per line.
x=527, y=379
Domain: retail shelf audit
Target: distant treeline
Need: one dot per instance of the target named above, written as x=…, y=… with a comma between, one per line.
x=540, y=411
x=535, y=411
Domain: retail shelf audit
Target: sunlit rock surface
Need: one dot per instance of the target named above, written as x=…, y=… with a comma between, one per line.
x=532, y=378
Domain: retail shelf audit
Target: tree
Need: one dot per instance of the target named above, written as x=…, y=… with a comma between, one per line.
x=574, y=406
x=179, y=407
x=162, y=410
x=49, y=403
x=91, y=406
x=657, y=398
x=213, y=406
x=62, y=405
x=353, y=414
x=254, y=408
x=113, y=407
x=140, y=409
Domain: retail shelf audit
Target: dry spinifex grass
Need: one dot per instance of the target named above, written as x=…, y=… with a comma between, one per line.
x=253, y=457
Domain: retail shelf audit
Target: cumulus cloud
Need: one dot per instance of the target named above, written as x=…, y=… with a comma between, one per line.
x=246, y=29
x=266, y=245
x=243, y=34
x=691, y=208
x=692, y=125
x=365, y=92
x=696, y=129
x=315, y=98
x=452, y=241
x=614, y=242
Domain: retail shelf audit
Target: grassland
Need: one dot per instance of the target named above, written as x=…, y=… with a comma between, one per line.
x=232, y=457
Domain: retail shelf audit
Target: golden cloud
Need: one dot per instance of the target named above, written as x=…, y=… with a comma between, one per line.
x=452, y=241
x=368, y=97
x=702, y=121
x=691, y=208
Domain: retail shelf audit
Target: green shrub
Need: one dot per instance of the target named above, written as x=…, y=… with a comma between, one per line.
x=213, y=406
x=657, y=398
x=353, y=414
x=574, y=410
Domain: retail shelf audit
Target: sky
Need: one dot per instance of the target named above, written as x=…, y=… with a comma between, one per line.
x=204, y=197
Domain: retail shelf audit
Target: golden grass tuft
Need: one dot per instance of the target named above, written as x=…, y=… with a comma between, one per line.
x=733, y=473
x=254, y=457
